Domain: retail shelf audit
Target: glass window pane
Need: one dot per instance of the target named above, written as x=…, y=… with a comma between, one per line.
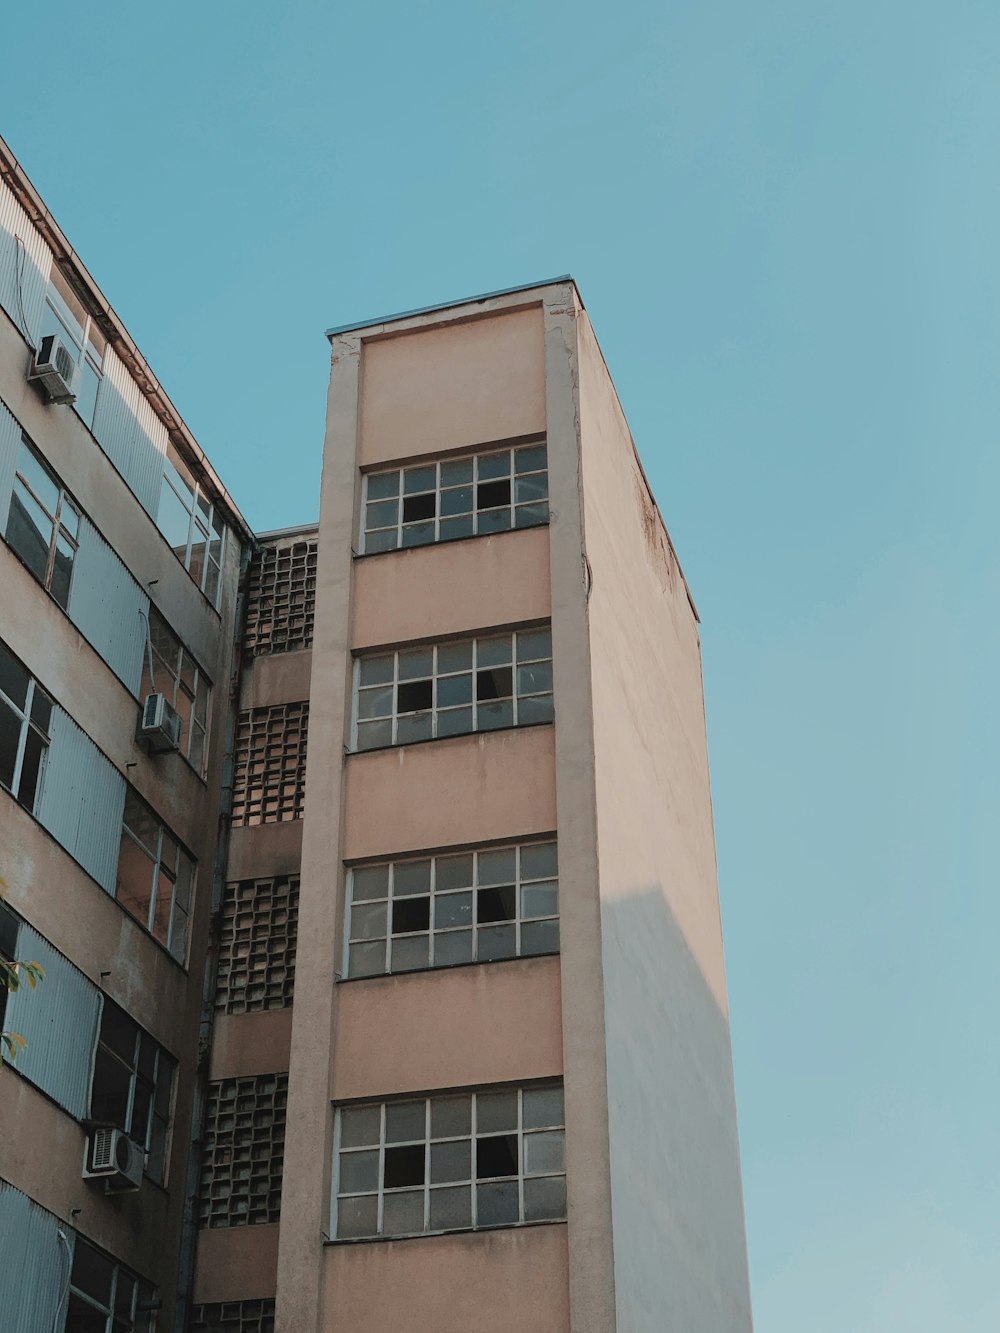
x=210, y=583
x=382, y=515
x=371, y=735
x=541, y=899
x=410, y=952
x=69, y=517
x=370, y=882
x=359, y=1126
x=29, y=532
x=87, y=384
x=454, y=690
x=119, y=1033
x=418, y=534
x=456, y=472
x=376, y=670
x=497, y=867
x=124, y=1294
x=535, y=679
x=417, y=664
x=494, y=942
x=542, y=1106
x=538, y=860
x=41, y=709
x=375, y=702
x=544, y=1153
x=497, y=1205
x=492, y=716
x=368, y=921
x=414, y=727
x=450, y=1117
x=10, y=739
x=453, y=872
x=38, y=478
x=458, y=501
x=454, y=657
x=358, y=1172
x=451, y=529
x=112, y=1084
x=83, y=1318
x=454, y=722
x=382, y=485
x=496, y=1111
x=539, y=937
x=493, y=520
x=13, y=679
x=451, y=1161
x=366, y=960
x=380, y=541
x=534, y=645
x=545, y=1199
x=31, y=768
x=494, y=465
x=451, y=1208
x=403, y=1214
x=529, y=516
x=493, y=652
x=531, y=459
x=92, y=1273
x=357, y=1217
x=411, y=877
x=452, y=909
x=142, y=1108
x=417, y=479
x=403, y=1121
x=529, y=489
x=62, y=570
x=134, y=886
x=537, y=709
x=453, y=948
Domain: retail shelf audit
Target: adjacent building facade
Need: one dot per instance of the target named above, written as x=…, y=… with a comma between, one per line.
x=442, y=853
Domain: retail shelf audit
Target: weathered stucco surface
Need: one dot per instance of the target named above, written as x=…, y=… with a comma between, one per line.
x=680, y=1250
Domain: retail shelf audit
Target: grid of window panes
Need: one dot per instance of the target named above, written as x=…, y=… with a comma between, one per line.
x=43, y=524
x=133, y=1079
x=155, y=879
x=191, y=524
x=25, y=715
x=451, y=1163
x=177, y=675
x=461, y=497
x=440, y=911
x=65, y=315
x=104, y=1297
x=450, y=689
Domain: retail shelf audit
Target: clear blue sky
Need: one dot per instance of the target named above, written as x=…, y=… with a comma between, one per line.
x=784, y=219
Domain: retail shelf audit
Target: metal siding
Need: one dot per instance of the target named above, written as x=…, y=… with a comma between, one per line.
x=59, y=1021
x=82, y=800
x=37, y=261
x=34, y=1275
x=130, y=433
x=10, y=438
x=108, y=606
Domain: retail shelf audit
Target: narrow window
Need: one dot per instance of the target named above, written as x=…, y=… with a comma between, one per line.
x=43, y=524
x=176, y=674
x=155, y=880
x=104, y=1297
x=66, y=316
x=457, y=1162
x=191, y=524
x=25, y=716
x=132, y=1085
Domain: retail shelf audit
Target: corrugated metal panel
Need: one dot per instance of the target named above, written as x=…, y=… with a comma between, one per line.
x=34, y=1274
x=82, y=800
x=108, y=606
x=24, y=269
x=130, y=433
x=10, y=438
x=59, y=1021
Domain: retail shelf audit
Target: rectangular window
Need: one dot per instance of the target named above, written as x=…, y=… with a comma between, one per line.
x=177, y=675
x=25, y=714
x=450, y=689
x=460, y=497
x=66, y=316
x=104, y=1297
x=43, y=524
x=133, y=1081
x=191, y=525
x=439, y=911
x=494, y=1158
x=155, y=879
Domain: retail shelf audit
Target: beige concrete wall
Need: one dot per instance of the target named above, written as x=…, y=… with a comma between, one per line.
x=281, y=678
x=236, y=1264
x=254, y=1043
x=451, y=589
x=453, y=1028
x=472, y=789
x=451, y=385
x=680, y=1253
x=265, y=849
x=485, y=1282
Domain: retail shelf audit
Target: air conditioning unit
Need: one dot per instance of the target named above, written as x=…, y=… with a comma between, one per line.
x=160, y=725
x=54, y=367
x=114, y=1158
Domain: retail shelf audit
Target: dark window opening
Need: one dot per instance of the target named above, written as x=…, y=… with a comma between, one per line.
x=496, y=1156
x=404, y=1166
x=417, y=508
x=497, y=683
x=410, y=914
x=492, y=494
x=412, y=696
x=497, y=904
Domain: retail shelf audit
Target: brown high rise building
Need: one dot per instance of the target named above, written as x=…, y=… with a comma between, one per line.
x=464, y=1054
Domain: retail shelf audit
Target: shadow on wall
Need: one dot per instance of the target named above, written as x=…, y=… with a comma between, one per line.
x=677, y=1200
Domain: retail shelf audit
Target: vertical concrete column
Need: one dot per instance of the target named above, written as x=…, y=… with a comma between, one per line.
x=306, y=1187
x=588, y=1179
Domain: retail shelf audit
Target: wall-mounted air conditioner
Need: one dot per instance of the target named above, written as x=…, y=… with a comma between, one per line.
x=114, y=1158
x=54, y=368
x=160, y=725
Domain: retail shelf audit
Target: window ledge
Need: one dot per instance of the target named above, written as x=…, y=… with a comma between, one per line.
x=447, y=967
x=459, y=736
x=451, y=541
x=452, y=1231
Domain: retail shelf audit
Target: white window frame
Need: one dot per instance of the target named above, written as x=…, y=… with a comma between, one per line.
x=79, y=338
x=192, y=866
x=428, y=1189
x=513, y=506
x=436, y=711
x=143, y=1292
x=162, y=1060
x=70, y=534
x=175, y=672
x=27, y=723
x=204, y=519
x=434, y=933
